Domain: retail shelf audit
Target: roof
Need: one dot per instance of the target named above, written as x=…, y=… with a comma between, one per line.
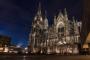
x=88, y=38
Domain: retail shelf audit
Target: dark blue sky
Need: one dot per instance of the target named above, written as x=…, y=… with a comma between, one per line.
x=16, y=15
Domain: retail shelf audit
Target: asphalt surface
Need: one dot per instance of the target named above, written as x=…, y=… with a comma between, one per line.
x=44, y=57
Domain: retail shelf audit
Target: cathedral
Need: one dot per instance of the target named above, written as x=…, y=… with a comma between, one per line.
x=62, y=37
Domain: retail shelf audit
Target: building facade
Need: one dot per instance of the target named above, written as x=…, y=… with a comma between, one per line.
x=5, y=40
x=61, y=37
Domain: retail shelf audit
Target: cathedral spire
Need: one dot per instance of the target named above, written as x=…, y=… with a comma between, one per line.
x=55, y=20
x=65, y=14
x=74, y=22
x=75, y=26
x=60, y=15
x=46, y=21
x=39, y=9
x=38, y=15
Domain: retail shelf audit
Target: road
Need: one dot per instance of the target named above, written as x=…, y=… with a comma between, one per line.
x=43, y=57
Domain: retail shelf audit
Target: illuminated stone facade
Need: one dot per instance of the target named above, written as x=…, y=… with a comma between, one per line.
x=62, y=37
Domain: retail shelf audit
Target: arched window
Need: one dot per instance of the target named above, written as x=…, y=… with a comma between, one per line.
x=61, y=31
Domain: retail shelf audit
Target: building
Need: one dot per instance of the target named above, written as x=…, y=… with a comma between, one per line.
x=62, y=37
x=5, y=40
x=85, y=20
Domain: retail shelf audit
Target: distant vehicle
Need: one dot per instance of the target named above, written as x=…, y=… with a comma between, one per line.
x=15, y=50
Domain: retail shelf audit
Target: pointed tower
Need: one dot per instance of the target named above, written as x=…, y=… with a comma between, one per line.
x=67, y=22
x=76, y=31
x=37, y=31
x=74, y=24
x=39, y=10
x=65, y=14
x=54, y=20
x=38, y=15
x=60, y=17
x=45, y=21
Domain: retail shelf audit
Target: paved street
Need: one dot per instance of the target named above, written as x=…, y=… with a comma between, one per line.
x=43, y=57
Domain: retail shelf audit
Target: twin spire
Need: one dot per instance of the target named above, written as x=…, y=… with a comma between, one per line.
x=40, y=14
x=40, y=17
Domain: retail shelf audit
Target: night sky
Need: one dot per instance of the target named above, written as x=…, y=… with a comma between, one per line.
x=16, y=16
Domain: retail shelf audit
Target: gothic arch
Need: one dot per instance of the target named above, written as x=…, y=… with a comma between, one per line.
x=60, y=25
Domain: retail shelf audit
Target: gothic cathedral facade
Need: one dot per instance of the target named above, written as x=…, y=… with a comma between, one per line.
x=62, y=37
